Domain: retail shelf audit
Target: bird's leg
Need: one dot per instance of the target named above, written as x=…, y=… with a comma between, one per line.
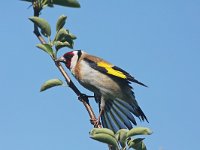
x=100, y=100
x=99, y=117
x=97, y=122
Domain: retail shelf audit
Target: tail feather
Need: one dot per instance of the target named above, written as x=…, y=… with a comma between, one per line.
x=135, y=109
x=112, y=122
x=103, y=121
x=118, y=119
x=119, y=115
x=126, y=121
x=125, y=113
x=130, y=106
x=122, y=113
x=107, y=122
x=142, y=115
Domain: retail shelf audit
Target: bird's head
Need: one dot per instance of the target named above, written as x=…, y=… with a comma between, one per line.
x=70, y=59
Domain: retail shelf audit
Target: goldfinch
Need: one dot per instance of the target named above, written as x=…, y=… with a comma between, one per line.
x=111, y=87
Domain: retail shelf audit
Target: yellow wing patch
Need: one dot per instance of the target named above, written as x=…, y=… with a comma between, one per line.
x=110, y=70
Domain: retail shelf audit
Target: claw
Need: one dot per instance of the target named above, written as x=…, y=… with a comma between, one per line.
x=95, y=122
x=84, y=97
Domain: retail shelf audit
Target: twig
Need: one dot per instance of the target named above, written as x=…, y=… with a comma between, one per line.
x=84, y=100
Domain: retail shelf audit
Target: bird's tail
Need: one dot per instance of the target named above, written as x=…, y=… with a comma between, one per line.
x=119, y=115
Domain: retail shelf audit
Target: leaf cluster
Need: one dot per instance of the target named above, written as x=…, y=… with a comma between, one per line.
x=51, y=3
x=63, y=37
x=123, y=139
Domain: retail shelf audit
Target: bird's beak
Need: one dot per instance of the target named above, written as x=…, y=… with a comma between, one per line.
x=61, y=59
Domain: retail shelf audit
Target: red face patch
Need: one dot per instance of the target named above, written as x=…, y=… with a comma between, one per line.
x=68, y=56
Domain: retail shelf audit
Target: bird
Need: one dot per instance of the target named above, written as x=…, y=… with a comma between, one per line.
x=111, y=87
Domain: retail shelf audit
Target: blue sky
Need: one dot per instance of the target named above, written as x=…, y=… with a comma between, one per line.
x=157, y=41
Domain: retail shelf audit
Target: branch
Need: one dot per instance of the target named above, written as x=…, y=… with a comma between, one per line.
x=82, y=98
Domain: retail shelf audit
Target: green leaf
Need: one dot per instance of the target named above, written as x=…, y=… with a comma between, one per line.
x=105, y=138
x=47, y=3
x=59, y=45
x=102, y=130
x=61, y=35
x=121, y=136
x=42, y=3
x=61, y=22
x=50, y=83
x=139, y=131
x=64, y=34
x=46, y=47
x=70, y=41
x=43, y=25
x=104, y=135
x=66, y=3
x=137, y=144
x=72, y=36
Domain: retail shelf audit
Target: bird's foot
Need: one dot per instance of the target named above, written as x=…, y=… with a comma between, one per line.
x=95, y=122
x=84, y=97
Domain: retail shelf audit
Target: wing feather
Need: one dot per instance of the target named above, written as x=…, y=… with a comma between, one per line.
x=111, y=70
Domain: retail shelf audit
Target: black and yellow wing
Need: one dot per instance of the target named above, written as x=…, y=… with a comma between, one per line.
x=111, y=70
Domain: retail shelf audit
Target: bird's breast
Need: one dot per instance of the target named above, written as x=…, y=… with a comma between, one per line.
x=96, y=81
